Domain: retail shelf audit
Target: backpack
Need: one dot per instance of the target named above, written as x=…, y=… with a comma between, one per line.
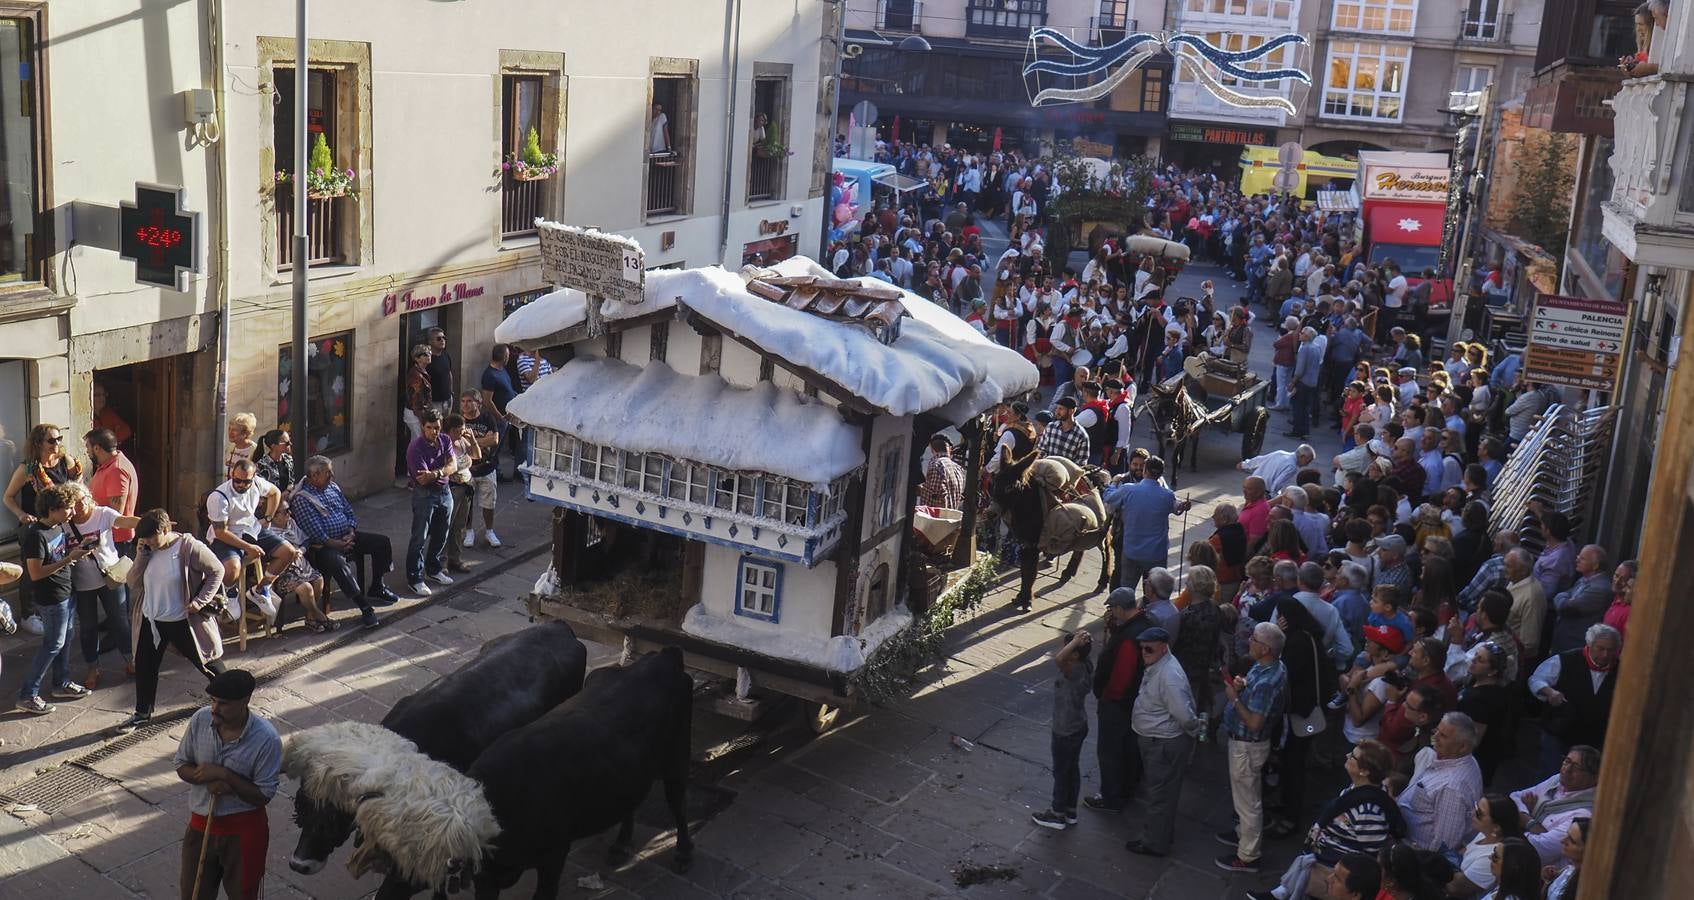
x=201, y=516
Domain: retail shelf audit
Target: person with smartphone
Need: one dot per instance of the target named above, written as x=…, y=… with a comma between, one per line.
x=50, y=555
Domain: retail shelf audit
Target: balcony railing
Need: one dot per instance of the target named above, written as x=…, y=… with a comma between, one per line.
x=663, y=181
x=1486, y=31
x=1007, y=19
x=323, y=229
x=764, y=176
x=521, y=202
x=1649, y=216
x=1103, y=30
x=899, y=15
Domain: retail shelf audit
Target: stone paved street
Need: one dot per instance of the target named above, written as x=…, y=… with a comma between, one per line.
x=894, y=802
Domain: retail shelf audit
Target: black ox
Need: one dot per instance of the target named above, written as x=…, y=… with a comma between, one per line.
x=514, y=680
x=585, y=767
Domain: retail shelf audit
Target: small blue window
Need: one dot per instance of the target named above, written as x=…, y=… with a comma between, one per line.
x=758, y=589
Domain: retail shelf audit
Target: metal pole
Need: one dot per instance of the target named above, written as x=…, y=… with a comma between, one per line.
x=297, y=378
x=834, y=117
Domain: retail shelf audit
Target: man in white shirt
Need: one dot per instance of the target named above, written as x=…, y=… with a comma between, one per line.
x=1397, y=287
x=1446, y=783
x=239, y=510
x=659, y=131
x=1549, y=807
x=1279, y=467
x=1123, y=412
x=901, y=268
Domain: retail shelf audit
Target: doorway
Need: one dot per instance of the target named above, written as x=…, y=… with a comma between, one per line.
x=414, y=330
x=141, y=399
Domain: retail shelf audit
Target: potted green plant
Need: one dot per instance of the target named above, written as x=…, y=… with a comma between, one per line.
x=323, y=180
x=772, y=144
x=530, y=163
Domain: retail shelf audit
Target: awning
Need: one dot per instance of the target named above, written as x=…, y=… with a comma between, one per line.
x=1337, y=201
x=1418, y=224
x=900, y=183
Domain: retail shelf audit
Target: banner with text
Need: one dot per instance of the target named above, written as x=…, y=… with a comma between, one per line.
x=1576, y=342
x=594, y=262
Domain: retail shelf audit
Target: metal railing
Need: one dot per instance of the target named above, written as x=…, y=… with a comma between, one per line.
x=520, y=203
x=1558, y=463
x=764, y=176
x=663, y=183
x=899, y=15
x=1486, y=31
x=323, y=229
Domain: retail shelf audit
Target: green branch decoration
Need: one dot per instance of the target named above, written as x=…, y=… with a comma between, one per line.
x=888, y=673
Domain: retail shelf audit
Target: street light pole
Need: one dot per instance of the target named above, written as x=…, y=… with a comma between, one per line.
x=297, y=367
x=834, y=117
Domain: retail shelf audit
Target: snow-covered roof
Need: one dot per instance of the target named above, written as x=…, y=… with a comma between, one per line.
x=936, y=360
x=938, y=364
x=697, y=417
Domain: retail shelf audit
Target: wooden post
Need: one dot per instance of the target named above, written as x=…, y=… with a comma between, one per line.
x=964, y=552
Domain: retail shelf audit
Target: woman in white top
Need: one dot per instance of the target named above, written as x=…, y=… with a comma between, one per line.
x=92, y=522
x=173, y=601
x=1496, y=819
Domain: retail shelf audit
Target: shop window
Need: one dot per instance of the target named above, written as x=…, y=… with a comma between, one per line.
x=758, y=590
x=326, y=216
x=21, y=122
x=329, y=387
x=14, y=430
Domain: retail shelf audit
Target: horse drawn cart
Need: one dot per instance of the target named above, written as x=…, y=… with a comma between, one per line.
x=1208, y=392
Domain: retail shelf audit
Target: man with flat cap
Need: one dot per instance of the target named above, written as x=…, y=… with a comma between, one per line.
x=1117, y=681
x=234, y=761
x=1165, y=725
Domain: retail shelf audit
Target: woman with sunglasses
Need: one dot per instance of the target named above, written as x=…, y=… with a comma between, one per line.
x=1487, y=700
x=1496, y=819
x=46, y=463
x=1516, y=868
x=1363, y=818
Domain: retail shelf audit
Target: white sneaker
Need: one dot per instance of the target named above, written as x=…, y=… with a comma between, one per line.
x=441, y=578
x=421, y=589
x=493, y=539
x=470, y=539
x=33, y=625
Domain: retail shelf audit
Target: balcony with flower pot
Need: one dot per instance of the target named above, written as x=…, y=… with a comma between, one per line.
x=524, y=183
x=328, y=191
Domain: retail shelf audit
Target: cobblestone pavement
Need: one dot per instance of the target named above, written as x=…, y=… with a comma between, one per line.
x=888, y=804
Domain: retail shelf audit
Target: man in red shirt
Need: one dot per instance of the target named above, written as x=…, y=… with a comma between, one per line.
x=1255, y=511
x=113, y=483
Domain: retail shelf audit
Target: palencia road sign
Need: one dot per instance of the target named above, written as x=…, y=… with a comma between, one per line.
x=1577, y=342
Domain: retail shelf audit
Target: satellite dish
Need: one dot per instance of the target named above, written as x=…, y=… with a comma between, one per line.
x=864, y=112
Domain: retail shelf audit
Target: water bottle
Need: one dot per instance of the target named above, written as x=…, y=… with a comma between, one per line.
x=1205, y=726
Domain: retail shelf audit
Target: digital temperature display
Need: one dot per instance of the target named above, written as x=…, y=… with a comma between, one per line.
x=159, y=236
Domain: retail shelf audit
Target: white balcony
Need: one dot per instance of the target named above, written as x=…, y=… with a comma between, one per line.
x=1190, y=100
x=1650, y=216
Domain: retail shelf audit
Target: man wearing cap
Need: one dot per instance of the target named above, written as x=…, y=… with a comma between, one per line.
x=233, y=759
x=1064, y=437
x=1165, y=725
x=1145, y=508
x=1117, y=680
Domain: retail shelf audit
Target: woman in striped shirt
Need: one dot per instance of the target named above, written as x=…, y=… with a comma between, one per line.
x=1363, y=818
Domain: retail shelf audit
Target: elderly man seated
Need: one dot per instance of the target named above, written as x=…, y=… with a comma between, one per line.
x=1279, y=467
x=1549, y=807
x=1446, y=783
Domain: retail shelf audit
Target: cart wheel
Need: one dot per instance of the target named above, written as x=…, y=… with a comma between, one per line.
x=823, y=717
x=1253, y=436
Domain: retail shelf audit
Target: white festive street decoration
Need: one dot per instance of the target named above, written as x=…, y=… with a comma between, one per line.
x=1409, y=224
x=1135, y=50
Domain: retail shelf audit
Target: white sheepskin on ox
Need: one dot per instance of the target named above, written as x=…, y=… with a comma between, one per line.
x=422, y=814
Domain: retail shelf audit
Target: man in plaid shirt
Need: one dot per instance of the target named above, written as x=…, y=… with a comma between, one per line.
x=1064, y=437
x=334, y=543
x=943, y=479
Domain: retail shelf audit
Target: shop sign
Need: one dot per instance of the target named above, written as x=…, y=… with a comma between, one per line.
x=1218, y=134
x=1576, y=342
x=773, y=226
x=414, y=300
x=1086, y=147
x=598, y=264
x=1404, y=183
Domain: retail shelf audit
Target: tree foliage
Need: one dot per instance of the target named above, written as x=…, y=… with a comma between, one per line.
x=1540, y=210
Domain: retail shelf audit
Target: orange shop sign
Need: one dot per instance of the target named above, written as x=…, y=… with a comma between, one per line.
x=414, y=299
x=1405, y=183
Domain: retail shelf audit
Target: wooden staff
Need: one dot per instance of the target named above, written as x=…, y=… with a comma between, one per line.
x=205, y=841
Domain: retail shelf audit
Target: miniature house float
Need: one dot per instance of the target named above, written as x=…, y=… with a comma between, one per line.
x=734, y=460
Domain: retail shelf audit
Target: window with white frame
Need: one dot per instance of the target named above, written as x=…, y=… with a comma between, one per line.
x=888, y=484
x=589, y=466
x=735, y=492
x=1381, y=16
x=632, y=462
x=1257, y=9
x=553, y=450
x=1235, y=42
x=690, y=483
x=786, y=500
x=1482, y=20
x=1366, y=80
x=758, y=589
x=1472, y=78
